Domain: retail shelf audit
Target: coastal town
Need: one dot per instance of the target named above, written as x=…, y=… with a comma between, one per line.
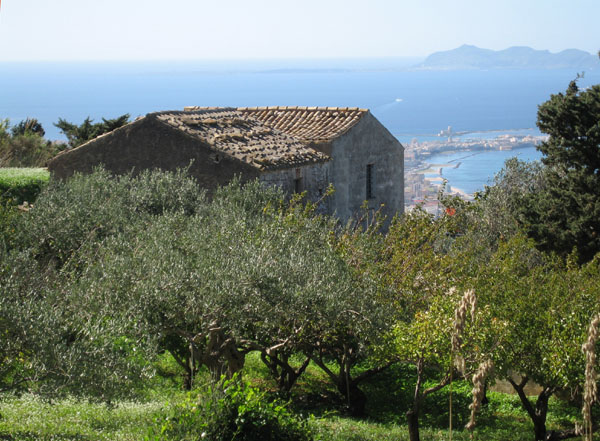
x=424, y=179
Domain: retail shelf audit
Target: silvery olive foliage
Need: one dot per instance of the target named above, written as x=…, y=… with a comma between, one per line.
x=247, y=272
x=141, y=265
x=47, y=344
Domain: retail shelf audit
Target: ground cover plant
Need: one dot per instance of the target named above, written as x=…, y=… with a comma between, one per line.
x=30, y=417
x=232, y=409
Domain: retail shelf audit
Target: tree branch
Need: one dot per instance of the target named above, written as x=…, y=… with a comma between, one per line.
x=319, y=362
x=445, y=381
x=370, y=372
x=524, y=400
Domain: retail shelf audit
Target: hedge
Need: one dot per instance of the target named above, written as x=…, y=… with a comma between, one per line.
x=21, y=184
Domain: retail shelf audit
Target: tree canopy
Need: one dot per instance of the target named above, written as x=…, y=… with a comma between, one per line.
x=78, y=134
x=566, y=213
x=28, y=126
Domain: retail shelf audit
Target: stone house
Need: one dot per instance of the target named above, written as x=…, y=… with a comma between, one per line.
x=296, y=148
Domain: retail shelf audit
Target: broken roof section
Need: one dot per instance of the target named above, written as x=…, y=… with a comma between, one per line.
x=239, y=135
x=307, y=124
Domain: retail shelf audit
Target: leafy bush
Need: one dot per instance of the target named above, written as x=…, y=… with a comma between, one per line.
x=24, y=145
x=86, y=209
x=233, y=411
x=47, y=346
x=59, y=350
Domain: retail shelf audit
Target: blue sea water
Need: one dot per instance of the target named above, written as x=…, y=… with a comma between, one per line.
x=476, y=169
x=410, y=103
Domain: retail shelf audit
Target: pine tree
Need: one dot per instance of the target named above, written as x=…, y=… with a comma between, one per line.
x=566, y=214
x=78, y=134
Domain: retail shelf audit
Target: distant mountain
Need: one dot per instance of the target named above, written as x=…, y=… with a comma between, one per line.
x=518, y=57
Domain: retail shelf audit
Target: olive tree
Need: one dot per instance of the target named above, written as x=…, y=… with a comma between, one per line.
x=47, y=343
x=47, y=348
x=245, y=273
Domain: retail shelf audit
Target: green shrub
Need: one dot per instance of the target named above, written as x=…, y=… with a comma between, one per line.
x=86, y=209
x=60, y=351
x=27, y=150
x=232, y=411
x=21, y=184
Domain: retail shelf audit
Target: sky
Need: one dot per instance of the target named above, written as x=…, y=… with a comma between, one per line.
x=77, y=30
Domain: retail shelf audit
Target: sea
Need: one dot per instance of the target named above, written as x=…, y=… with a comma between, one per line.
x=477, y=168
x=412, y=103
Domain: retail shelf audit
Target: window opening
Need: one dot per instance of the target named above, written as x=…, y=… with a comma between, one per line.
x=370, y=189
x=298, y=181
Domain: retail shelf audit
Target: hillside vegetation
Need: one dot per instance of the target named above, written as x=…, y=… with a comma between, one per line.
x=144, y=310
x=127, y=275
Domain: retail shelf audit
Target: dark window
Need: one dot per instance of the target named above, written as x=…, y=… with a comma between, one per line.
x=370, y=187
x=298, y=181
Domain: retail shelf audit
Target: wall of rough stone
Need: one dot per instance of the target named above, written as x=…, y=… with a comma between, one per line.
x=368, y=142
x=314, y=179
x=149, y=144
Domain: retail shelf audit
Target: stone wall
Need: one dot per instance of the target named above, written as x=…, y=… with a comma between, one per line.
x=314, y=179
x=368, y=143
x=149, y=144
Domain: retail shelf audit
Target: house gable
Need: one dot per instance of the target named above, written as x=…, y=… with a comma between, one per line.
x=149, y=144
x=367, y=165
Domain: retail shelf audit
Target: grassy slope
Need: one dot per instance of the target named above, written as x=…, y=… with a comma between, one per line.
x=22, y=184
x=29, y=417
x=19, y=173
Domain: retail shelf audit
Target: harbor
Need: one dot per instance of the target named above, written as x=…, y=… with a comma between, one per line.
x=460, y=165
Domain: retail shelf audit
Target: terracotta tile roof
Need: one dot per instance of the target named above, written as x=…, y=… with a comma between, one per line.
x=309, y=124
x=247, y=139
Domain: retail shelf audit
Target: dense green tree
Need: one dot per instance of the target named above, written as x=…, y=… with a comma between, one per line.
x=418, y=264
x=28, y=126
x=494, y=216
x=240, y=275
x=566, y=213
x=45, y=345
x=544, y=306
x=154, y=265
x=78, y=134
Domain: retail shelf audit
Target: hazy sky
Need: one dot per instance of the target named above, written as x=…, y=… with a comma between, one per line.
x=200, y=29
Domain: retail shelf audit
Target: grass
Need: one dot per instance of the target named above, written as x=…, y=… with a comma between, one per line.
x=18, y=173
x=29, y=417
x=22, y=184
